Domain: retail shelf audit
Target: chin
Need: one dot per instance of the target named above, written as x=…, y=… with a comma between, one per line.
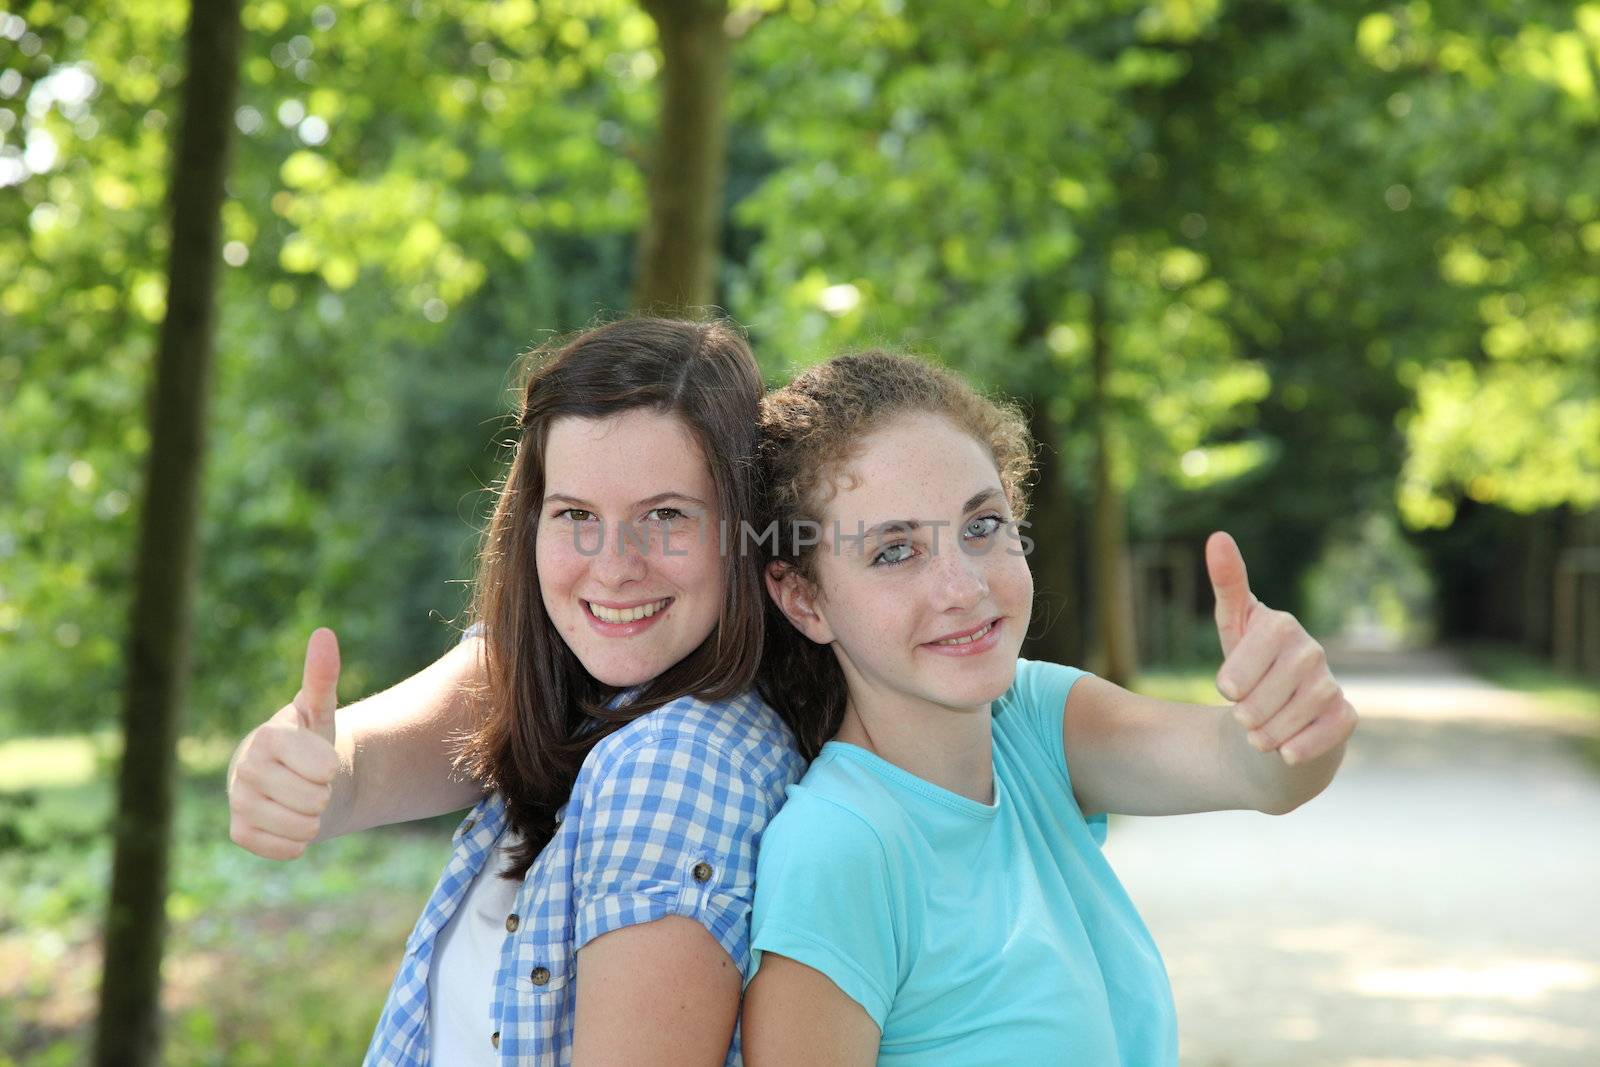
x=622, y=675
x=623, y=679
x=978, y=687
x=969, y=694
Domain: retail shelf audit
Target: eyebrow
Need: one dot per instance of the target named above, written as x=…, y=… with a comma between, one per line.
x=649, y=501
x=975, y=501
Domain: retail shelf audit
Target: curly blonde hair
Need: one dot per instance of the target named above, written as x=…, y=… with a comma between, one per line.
x=810, y=430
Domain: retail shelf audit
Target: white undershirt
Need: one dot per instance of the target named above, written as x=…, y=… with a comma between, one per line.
x=466, y=955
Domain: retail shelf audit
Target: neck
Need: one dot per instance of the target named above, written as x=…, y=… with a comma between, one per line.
x=950, y=747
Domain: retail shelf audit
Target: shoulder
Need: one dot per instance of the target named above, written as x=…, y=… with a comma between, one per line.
x=1029, y=719
x=830, y=893
x=1041, y=685
x=809, y=815
x=837, y=810
x=1036, y=701
x=812, y=848
x=738, y=745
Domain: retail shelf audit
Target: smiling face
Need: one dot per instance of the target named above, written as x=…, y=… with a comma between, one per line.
x=628, y=552
x=932, y=605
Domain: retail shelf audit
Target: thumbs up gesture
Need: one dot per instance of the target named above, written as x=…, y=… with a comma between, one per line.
x=1274, y=673
x=281, y=778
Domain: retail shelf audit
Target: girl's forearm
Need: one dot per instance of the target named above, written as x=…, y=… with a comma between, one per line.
x=1275, y=786
x=397, y=748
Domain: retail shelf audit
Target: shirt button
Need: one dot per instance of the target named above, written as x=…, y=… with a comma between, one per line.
x=494, y=1039
x=540, y=975
x=512, y=922
x=702, y=872
x=466, y=827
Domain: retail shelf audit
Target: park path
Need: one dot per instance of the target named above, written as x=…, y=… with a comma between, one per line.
x=1438, y=906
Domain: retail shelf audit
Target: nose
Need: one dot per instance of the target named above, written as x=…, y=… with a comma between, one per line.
x=960, y=580
x=622, y=559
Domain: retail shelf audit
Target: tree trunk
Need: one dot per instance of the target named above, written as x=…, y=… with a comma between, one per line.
x=1056, y=634
x=128, y=1031
x=1112, y=581
x=677, y=259
x=1538, y=570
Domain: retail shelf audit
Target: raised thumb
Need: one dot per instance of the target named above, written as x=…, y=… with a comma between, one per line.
x=319, y=684
x=1230, y=583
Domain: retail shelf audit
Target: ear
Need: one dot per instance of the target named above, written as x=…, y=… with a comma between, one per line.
x=797, y=599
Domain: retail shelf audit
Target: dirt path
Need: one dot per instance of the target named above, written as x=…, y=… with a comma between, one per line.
x=1438, y=905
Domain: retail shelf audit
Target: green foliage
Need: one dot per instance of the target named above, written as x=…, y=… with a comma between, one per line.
x=1557, y=689
x=1285, y=262
x=413, y=201
x=253, y=943
x=1312, y=285
x=1344, y=261
x=1370, y=583
x=961, y=182
x=1507, y=113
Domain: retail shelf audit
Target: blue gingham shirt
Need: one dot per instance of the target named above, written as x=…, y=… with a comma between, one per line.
x=664, y=819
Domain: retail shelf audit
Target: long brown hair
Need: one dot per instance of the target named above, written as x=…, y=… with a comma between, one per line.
x=547, y=712
x=810, y=430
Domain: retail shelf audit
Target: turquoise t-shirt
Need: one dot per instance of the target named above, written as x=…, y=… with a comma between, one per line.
x=971, y=933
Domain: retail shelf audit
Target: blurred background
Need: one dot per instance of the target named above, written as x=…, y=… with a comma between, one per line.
x=1325, y=276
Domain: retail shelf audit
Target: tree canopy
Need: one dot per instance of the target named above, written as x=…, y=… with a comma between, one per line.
x=1343, y=262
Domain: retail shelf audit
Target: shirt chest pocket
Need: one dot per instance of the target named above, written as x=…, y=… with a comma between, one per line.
x=542, y=969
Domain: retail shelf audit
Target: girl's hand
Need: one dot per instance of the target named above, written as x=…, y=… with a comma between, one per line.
x=281, y=778
x=1274, y=673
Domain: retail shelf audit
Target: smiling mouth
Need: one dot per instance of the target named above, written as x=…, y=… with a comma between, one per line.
x=968, y=638
x=633, y=614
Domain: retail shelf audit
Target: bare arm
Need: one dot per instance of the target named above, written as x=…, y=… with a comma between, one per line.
x=1274, y=749
x=663, y=993
x=310, y=773
x=1136, y=755
x=397, y=748
x=794, y=1016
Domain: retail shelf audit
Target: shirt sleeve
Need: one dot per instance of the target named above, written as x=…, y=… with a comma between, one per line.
x=824, y=898
x=669, y=826
x=1040, y=693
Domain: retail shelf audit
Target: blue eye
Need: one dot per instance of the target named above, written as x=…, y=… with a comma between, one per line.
x=978, y=529
x=883, y=558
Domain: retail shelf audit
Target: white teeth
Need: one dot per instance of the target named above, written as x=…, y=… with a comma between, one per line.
x=643, y=611
x=967, y=640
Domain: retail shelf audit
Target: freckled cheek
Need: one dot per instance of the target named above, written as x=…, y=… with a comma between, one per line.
x=690, y=539
x=691, y=558
x=879, y=624
x=560, y=568
x=1010, y=582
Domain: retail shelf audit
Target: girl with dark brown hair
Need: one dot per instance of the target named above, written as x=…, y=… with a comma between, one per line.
x=596, y=906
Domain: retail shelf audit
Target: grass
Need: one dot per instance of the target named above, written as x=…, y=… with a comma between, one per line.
x=1512, y=668
x=47, y=762
x=1562, y=691
x=1559, y=690
x=1188, y=685
x=267, y=963
x=273, y=963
